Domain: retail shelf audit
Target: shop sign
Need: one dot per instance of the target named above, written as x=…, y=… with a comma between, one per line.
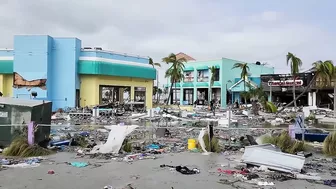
x=285, y=83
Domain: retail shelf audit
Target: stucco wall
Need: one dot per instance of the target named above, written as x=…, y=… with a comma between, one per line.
x=64, y=76
x=6, y=82
x=31, y=62
x=90, y=87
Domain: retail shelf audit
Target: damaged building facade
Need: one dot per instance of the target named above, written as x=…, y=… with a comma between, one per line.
x=227, y=86
x=62, y=71
x=280, y=89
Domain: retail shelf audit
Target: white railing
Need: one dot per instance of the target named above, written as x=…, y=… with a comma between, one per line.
x=114, y=52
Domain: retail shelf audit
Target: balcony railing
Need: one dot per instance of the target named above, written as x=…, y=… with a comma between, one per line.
x=203, y=79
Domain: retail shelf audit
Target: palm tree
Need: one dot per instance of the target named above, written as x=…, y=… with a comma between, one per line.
x=259, y=95
x=324, y=72
x=295, y=63
x=175, y=71
x=212, y=81
x=151, y=62
x=244, y=74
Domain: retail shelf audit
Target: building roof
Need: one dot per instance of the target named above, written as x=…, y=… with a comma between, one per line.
x=183, y=55
x=21, y=102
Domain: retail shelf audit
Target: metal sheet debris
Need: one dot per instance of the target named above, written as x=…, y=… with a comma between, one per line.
x=273, y=159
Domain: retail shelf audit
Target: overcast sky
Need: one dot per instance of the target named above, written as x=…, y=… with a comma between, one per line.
x=246, y=30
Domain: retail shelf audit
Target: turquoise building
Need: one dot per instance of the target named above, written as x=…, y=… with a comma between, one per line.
x=227, y=86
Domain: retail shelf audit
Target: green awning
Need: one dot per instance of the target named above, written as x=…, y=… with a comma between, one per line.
x=216, y=84
x=202, y=68
x=188, y=85
x=217, y=66
x=177, y=85
x=202, y=84
x=188, y=69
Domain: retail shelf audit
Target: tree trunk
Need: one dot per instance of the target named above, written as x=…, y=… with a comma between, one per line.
x=295, y=106
x=175, y=100
x=245, y=92
x=303, y=92
x=170, y=92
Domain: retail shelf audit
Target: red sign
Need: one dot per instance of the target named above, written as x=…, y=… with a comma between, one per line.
x=285, y=83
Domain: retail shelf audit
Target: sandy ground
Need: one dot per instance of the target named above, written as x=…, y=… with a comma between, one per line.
x=142, y=174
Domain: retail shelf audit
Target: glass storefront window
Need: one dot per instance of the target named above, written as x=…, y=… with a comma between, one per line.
x=139, y=94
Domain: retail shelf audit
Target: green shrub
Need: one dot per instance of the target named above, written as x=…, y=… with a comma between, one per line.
x=20, y=147
x=215, y=147
x=285, y=143
x=329, y=145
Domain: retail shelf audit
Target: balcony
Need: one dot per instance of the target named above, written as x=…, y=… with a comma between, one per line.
x=188, y=79
x=203, y=79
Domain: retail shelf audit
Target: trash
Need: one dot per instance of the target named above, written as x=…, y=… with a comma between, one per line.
x=183, y=169
x=153, y=147
x=265, y=184
x=108, y=187
x=331, y=183
x=115, y=139
x=307, y=177
x=201, y=141
x=257, y=155
x=51, y=172
x=79, y=164
x=231, y=172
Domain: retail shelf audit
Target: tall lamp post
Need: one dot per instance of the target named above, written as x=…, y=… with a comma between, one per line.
x=270, y=85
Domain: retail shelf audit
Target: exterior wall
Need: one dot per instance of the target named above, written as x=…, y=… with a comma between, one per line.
x=56, y=64
x=234, y=74
x=6, y=83
x=90, y=87
x=64, y=76
x=227, y=75
x=196, y=66
x=32, y=59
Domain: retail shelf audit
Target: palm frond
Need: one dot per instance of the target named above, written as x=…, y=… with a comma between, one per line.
x=294, y=62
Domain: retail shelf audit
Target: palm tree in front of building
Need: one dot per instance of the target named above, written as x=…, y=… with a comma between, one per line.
x=324, y=72
x=174, y=72
x=244, y=74
x=295, y=64
x=151, y=62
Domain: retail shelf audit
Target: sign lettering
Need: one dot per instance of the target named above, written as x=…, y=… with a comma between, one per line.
x=285, y=83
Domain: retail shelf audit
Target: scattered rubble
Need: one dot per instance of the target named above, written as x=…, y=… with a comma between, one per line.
x=128, y=137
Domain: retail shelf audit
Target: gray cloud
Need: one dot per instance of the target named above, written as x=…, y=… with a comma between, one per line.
x=202, y=29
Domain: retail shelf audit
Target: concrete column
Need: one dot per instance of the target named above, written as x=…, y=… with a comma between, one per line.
x=181, y=96
x=132, y=93
x=314, y=99
x=310, y=99
x=223, y=97
x=121, y=95
x=195, y=94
